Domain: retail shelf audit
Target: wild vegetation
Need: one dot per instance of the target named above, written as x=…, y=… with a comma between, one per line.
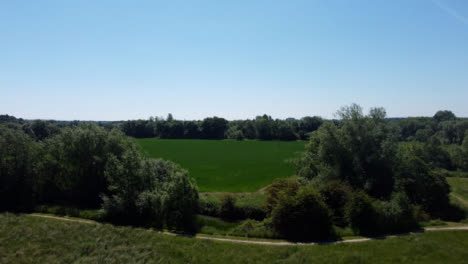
x=89, y=167
x=25, y=239
x=360, y=174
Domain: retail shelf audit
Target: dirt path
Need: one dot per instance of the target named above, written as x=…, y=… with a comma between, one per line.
x=269, y=243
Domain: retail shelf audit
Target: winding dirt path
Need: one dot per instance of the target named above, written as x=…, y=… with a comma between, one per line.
x=269, y=243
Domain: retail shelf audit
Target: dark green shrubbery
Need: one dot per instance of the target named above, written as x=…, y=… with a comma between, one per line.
x=372, y=217
x=227, y=208
x=336, y=195
x=361, y=214
x=149, y=192
x=302, y=216
x=87, y=167
x=396, y=215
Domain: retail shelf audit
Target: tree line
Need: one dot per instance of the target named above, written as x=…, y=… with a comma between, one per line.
x=262, y=128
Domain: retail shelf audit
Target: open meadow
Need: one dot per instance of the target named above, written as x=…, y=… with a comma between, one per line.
x=227, y=165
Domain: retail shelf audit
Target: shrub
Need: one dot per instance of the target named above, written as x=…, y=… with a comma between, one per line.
x=277, y=189
x=336, y=194
x=361, y=214
x=302, y=216
x=227, y=208
x=208, y=205
x=396, y=215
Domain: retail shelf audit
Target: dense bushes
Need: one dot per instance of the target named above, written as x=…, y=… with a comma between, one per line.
x=361, y=214
x=361, y=151
x=88, y=167
x=302, y=216
x=372, y=217
x=233, y=207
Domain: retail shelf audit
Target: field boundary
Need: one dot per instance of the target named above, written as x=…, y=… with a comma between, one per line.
x=269, y=243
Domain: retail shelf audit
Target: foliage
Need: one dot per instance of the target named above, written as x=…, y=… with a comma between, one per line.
x=361, y=214
x=18, y=156
x=359, y=151
x=149, y=192
x=335, y=195
x=277, y=190
x=422, y=186
x=302, y=216
x=86, y=166
x=396, y=215
x=227, y=208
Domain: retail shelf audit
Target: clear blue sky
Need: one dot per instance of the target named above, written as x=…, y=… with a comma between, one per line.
x=113, y=60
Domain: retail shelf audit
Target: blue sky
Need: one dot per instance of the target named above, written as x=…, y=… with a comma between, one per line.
x=113, y=60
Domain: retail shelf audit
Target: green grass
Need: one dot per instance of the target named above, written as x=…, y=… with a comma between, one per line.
x=227, y=165
x=459, y=194
x=26, y=239
x=459, y=187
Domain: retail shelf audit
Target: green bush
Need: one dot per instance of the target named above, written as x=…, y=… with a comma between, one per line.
x=361, y=214
x=302, y=216
x=227, y=208
x=208, y=205
x=149, y=192
x=336, y=194
x=396, y=215
x=277, y=189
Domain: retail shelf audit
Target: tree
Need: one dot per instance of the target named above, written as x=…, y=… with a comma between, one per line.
x=149, y=192
x=422, y=186
x=18, y=157
x=214, y=128
x=359, y=151
x=75, y=161
x=444, y=115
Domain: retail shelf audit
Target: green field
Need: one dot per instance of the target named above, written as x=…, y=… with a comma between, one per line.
x=227, y=165
x=26, y=239
x=459, y=194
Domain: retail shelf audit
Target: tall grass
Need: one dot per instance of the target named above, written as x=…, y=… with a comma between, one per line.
x=25, y=239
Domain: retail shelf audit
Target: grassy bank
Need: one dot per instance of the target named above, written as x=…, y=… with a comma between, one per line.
x=25, y=239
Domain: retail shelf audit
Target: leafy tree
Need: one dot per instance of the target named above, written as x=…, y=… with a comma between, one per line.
x=422, y=186
x=18, y=156
x=444, y=115
x=149, y=192
x=359, y=151
x=214, y=128
x=75, y=160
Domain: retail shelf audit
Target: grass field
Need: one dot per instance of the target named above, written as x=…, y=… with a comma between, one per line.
x=227, y=165
x=25, y=239
x=459, y=194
